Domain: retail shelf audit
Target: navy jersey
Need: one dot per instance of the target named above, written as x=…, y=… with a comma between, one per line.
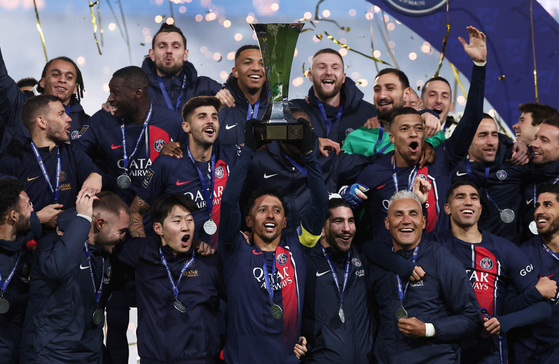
x=103, y=142
x=165, y=334
x=170, y=175
x=378, y=177
x=328, y=340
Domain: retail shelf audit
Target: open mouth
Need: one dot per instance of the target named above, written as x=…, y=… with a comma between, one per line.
x=210, y=131
x=269, y=227
x=438, y=109
x=406, y=231
x=255, y=77
x=185, y=240
x=345, y=238
x=468, y=212
x=414, y=147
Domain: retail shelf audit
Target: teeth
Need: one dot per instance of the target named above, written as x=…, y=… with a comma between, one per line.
x=468, y=211
x=256, y=77
x=541, y=221
x=406, y=230
x=269, y=225
x=328, y=81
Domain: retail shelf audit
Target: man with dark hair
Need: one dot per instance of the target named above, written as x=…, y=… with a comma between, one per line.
x=51, y=168
x=265, y=279
x=15, y=230
x=187, y=285
x=62, y=78
x=532, y=115
x=336, y=318
x=27, y=84
x=69, y=282
x=124, y=145
x=173, y=80
x=201, y=174
x=436, y=95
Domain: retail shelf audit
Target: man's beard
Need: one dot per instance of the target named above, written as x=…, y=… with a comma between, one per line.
x=170, y=71
x=319, y=91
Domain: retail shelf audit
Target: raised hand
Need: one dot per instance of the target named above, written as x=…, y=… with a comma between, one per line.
x=477, y=48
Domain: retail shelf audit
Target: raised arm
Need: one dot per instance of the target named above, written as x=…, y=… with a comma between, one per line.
x=138, y=209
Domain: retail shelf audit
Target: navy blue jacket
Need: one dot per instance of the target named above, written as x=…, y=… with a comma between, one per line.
x=102, y=141
x=11, y=101
x=330, y=341
x=58, y=323
x=355, y=113
x=232, y=120
x=444, y=298
x=164, y=334
x=195, y=85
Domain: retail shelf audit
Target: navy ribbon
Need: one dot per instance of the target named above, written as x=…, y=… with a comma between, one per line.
x=184, y=268
x=208, y=198
x=402, y=293
x=486, y=174
x=346, y=273
x=99, y=290
x=395, y=175
x=125, y=158
x=325, y=118
x=253, y=113
x=296, y=165
x=55, y=192
x=267, y=279
x=550, y=252
x=485, y=313
x=166, y=96
x=5, y=283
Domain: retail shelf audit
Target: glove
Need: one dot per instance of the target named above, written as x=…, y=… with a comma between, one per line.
x=306, y=144
x=354, y=194
x=250, y=139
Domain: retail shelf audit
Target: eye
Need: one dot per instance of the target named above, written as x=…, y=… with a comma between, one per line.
x=277, y=211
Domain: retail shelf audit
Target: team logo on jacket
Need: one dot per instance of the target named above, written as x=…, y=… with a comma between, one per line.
x=348, y=130
x=501, y=174
x=158, y=145
x=282, y=258
x=62, y=176
x=109, y=271
x=422, y=176
x=486, y=263
x=356, y=262
x=75, y=134
x=219, y=172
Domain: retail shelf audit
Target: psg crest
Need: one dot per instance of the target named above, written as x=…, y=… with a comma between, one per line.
x=486, y=263
x=282, y=258
x=158, y=145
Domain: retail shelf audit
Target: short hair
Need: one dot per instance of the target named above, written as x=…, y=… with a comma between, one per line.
x=549, y=188
x=487, y=116
x=553, y=121
x=400, y=74
x=168, y=28
x=327, y=51
x=109, y=202
x=263, y=192
x=163, y=205
x=403, y=194
x=36, y=106
x=197, y=102
x=27, y=82
x=461, y=183
x=438, y=78
x=134, y=77
x=336, y=202
x=244, y=48
x=79, y=77
x=9, y=198
x=403, y=111
x=540, y=112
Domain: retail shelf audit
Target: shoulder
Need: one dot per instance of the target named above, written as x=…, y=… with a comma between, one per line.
x=164, y=115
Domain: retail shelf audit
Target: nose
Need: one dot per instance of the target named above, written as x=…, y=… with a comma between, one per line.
x=67, y=118
x=110, y=98
x=516, y=126
x=539, y=210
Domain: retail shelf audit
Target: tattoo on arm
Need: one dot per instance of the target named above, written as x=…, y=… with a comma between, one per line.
x=137, y=211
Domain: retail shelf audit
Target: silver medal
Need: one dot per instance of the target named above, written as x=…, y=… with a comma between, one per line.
x=341, y=314
x=4, y=305
x=179, y=306
x=98, y=316
x=401, y=313
x=210, y=227
x=123, y=181
x=277, y=312
x=533, y=227
x=507, y=216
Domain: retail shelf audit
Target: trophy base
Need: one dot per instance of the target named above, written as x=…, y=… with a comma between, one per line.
x=279, y=131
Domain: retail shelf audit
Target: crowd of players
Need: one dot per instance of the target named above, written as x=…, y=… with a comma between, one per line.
x=390, y=233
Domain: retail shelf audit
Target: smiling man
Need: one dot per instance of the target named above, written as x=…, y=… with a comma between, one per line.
x=532, y=115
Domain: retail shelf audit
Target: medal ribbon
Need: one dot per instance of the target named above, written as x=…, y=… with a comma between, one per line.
x=97, y=291
x=486, y=313
x=166, y=95
x=402, y=293
x=380, y=135
x=251, y=112
x=554, y=182
x=209, y=200
x=125, y=157
x=325, y=118
x=395, y=175
x=296, y=165
x=267, y=279
x=184, y=268
x=550, y=252
x=68, y=109
x=54, y=191
x=346, y=273
x=5, y=283
x=486, y=174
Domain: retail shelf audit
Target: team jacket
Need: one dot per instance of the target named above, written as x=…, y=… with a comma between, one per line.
x=232, y=120
x=328, y=340
x=76, y=166
x=445, y=299
x=253, y=334
x=170, y=175
x=355, y=113
x=102, y=141
x=195, y=85
x=58, y=325
x=539, y=343
x=11, y=101
x=378, y=176
x=271, y=169
x=164, y=334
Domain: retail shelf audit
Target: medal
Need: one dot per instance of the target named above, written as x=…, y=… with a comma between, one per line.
x=179, y=306
x=341, y=291
x=533, y=227
x=4, y=305
x=507, y=216
x=98, y=316
x=341, y=313
x=123, y=181
x=276, y=310
x=210, y=227
x=401, y=313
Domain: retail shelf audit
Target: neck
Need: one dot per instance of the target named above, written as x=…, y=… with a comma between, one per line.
x=139, y=116
x=332, y=101
x=265, y=245
x=251, y=97
x=401, y=161
x=552, y=242
x=8, y=232
x=42, y=141
x=398, y=246
x=200, y=153
x=469, y=234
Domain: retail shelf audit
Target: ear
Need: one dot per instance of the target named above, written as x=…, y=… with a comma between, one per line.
x=138, y=93
x=42, y=82
x=451, y=107
x=407, y=92
x=386, y=225
x=185, y=57
x=186, y=127
x=75, y=88
x=151, y=55
x=12, y=218
x=158, y=228
x=235, y=72
x=310, y=75
x=99, y=224
x=391, y=137
x=423, y=223
x=41, y=122
x=343, y=78
x=284, y=225
x=447, y=208
x=248, y=221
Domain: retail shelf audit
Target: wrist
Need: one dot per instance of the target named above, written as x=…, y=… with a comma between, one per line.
x=429, y=330
x=480, y=63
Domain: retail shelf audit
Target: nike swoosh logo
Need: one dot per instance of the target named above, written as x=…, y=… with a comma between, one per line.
x=31, y=179
x=458, y=174
x=256, y=253
x=182, y=183
x=269, y=175
x=227, y=126
x=529, y=201
x=115, y=146
x=321, y=274
x=379, y=187
x=82, y=267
